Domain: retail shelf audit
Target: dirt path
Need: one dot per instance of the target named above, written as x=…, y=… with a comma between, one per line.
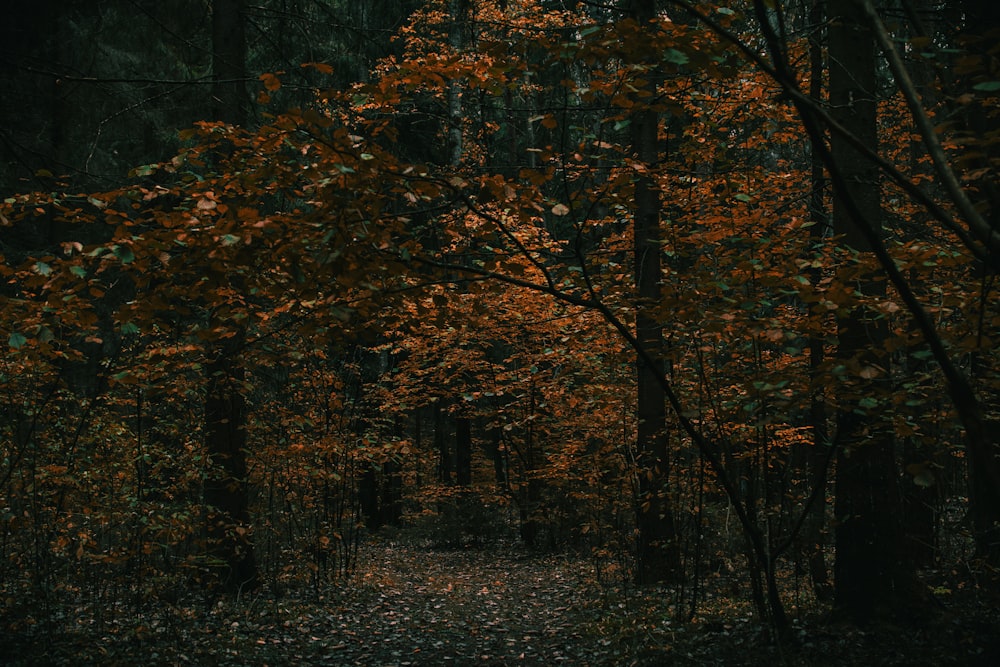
x=422, y=607
x=497, y=606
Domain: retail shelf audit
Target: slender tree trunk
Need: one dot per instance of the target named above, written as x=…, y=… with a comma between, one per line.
x=499, y=460
x=873, y=574
x=818, y=454
x=463, y=451
x=368, y=497
x=392, y=492
x=225, y=484
x=226, y=494
x=441, y=445
x=229, y=96
x=658, y=552
x=982, y=21
x=459, y=10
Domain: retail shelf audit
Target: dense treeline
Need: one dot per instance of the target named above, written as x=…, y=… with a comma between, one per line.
x=701, y=291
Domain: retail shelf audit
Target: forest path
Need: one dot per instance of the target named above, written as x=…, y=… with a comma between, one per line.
x=494, y=606
x=412, y=606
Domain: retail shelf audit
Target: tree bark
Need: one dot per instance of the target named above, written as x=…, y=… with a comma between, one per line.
x=982, y=24
x=874, y=576
x=229, y=96
x=441, y=445
x=226, y=494
x=459, y=10
x=463, y=451
x=228, y=517
x=658, y=552
x=818, y=450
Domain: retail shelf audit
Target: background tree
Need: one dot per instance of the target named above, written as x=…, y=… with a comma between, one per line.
x=658, y=553
x=874, y=572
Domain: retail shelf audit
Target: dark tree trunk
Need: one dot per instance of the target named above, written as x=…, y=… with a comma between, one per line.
x=229, y=96
x=368, y=497
x=981, y=26
x=463, y=451
x=527, y=507
x=874, y=575
x=818, y=451
x=658, y=552
x=499, y=460
x=392, y=493
x=225, y=484
x=441, y=445
x=226, y=494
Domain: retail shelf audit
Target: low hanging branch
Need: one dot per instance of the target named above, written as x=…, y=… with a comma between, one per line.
x=987, y=235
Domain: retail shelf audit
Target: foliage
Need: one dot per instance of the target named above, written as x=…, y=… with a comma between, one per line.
x=448, y=344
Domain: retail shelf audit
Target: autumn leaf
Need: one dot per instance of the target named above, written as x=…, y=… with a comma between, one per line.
x=271, y=81
x=322, y=68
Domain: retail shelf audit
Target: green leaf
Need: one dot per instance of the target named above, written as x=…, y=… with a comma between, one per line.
x=16, y=340
x=987, y=86
x=143, y=170
x=42, y=269
x=676, y=57
x=742, y=197
x=923, y=476
x=78, y=271
x=129, y=329
x=124, y=253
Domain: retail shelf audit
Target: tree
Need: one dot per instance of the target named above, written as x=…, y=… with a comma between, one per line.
x=229, y=55
x=978, y=123
x=873, y=572
x=658, y=553
x=225, y=404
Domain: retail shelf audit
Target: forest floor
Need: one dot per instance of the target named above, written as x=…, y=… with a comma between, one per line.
x=411, y=605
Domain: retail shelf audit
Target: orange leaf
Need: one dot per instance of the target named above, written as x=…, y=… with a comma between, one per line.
x=322, y=68
x=271, y=82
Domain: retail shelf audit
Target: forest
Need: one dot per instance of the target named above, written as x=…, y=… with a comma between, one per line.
x=500, y=332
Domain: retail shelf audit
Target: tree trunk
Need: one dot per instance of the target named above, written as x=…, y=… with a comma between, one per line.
x=368, y=497
x=229, y=536
x=658, y=552
x=441, y=445
x=226, y=495
x=873, y=574
x=463, y=451
x=982, y=21
x=229, y=97
x=459, y=16
x=392, y=493
x=818, y=450
x=499, y=459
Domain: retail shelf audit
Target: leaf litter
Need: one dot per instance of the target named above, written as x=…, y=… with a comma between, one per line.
x=412, y=605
